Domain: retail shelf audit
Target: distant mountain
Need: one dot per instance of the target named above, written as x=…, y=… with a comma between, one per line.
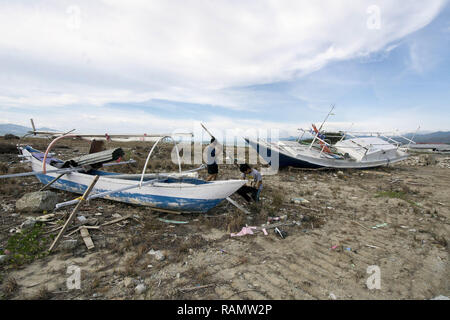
x=17, y=129
x=434, y=137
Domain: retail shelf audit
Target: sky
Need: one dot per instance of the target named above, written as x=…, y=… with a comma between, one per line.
x=163, y=65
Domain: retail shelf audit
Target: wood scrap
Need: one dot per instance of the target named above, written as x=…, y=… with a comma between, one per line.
x=359, y=224
x=166, y=211
x=87, y=238
x=376, y=172
x=172, y=221
x=78, y=229
x=116, y=220
x=196, y=288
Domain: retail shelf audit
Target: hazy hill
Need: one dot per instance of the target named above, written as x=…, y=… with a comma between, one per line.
x=17, y=130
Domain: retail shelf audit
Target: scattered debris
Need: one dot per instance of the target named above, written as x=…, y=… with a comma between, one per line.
x=82, y=219
x=281, y=233
x=196, y=288
x=140, y=288
x=28, y=224
x=69, y=244
x=158, y=254
x=237, y=205
x=299, y=200
x=72, y=215
x=128, y=282
x=380, y=226
x=441, y=298
x=243, y=232
x=4, y=258
x=87, y=238
x=117, y=220
x=172, y=221
x=359, y=224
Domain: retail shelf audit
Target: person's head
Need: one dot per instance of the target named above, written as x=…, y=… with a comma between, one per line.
x=213, y=140
x=245, y=168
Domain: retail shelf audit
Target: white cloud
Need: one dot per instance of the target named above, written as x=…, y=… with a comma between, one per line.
x=58, y=53
x=88, y=54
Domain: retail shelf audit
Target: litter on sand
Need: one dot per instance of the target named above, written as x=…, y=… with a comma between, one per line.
x=379, y=226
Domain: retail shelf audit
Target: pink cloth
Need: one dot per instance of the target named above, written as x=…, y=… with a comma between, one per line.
x=243, y=232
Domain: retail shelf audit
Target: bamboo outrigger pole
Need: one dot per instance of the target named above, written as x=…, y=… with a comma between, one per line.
x=72, y=215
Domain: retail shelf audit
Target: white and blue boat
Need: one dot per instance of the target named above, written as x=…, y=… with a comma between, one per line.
x=180, y=193
x=354, y=152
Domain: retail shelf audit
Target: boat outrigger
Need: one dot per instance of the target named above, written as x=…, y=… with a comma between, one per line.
x=352, y=150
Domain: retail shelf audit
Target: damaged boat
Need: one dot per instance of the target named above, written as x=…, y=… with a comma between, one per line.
x=350, y=150
x=366, y=152
x=174, y=192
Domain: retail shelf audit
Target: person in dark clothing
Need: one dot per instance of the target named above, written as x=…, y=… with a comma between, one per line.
x=213, y=169
x=254, y=186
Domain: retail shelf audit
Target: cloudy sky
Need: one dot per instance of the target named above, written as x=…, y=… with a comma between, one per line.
x=162, y=65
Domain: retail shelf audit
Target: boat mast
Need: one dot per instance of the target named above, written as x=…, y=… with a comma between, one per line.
x=321, y=126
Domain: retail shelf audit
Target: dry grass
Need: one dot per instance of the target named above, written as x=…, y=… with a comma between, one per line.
x=10, y=287
x=278, y=198
x=42, y=294
x=235, y=222
x=3, y=168
x=194, y=242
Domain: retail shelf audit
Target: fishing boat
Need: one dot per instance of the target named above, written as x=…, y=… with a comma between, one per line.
x=367, y=152
x=351, y=150
x=173, y=192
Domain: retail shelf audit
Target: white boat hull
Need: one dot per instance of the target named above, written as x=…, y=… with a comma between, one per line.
x=191, y=195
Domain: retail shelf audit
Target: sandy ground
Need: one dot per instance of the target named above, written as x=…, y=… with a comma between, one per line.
x=325, y=255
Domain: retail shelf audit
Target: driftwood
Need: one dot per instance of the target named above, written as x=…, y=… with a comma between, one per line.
x=359, y=224
x=79, y=228
x=116, y=220
x=72, y=215
x=196, y=288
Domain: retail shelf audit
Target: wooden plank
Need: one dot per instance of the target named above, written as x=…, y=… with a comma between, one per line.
x=117, y=220
x=196, y=288
x=72, y=215
x=167, y=211
x=234, y=203
x=87, y=227
x=87, y=238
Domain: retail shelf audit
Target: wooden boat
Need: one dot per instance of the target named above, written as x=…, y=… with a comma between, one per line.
x=181, y=193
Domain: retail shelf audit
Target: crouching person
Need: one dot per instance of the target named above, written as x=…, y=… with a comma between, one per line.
x=254, y=185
